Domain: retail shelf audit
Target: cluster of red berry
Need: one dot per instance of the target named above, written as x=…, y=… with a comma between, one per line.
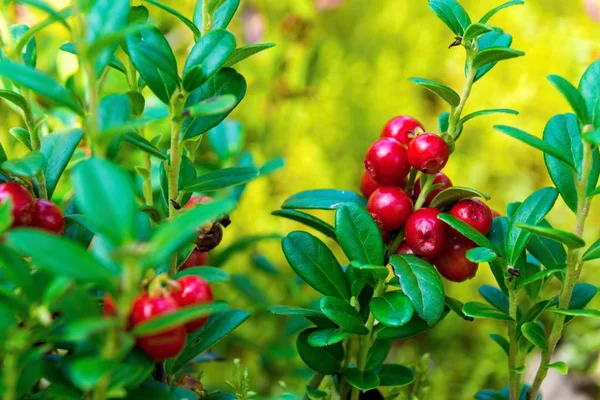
x=404, y=146
x=184, y=292
x=29, y=211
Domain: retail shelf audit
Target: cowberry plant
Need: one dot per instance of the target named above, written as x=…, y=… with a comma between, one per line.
x=104, y=212
x=410, y=226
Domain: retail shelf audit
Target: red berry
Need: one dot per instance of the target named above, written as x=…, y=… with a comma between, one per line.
x=390, y=207
x=110, y=308
x=440, y=178
x=428, y=153
x=425, y=234
x=401, y=128
x=387, y=162
x=367, y=185
x=47, y=216
x=453, y=264
x=163, y=345
x=196, y=259
x=195, y=200
x=193, y=291
x=404, y=249
x=495, y=214
x=475, y=213
x=22, y=202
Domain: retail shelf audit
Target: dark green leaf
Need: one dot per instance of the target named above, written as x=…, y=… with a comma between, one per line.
x=380, y=271
x=475, y=30
x=534, y=332
x=457, y=306
x=589, y=87
x=27, y=166
x=550, y=253
x=22, y=135
x=468, y=231
x=502, y=342
x=363, y=380
x=448, y=197
x=210, y=107
x=481, y=310
x=446, y=93
x=222, y=12
x=537, y=276
x=209, y=54
x=414, y=327
x=571, y=94
x=14, y=98
x=295, y=311
x=86, y=372
x=359, y=235
x=322, y=199
x=452, y=14
x=493, y=55
x=480, y=255
x=98, y=26
x=17, y=271
x=377, y=354
x=577, y=313
x=421, y=283
x=327, y=337
x=495, y=297
x=222, y=178
x=343, y=314
x=393, y=308
x=593, y=252
x=493, y=39
x=143, y=144
x=209, y=274
x=312, y=260
x=326, y=360
x=177, y=15
x=242, y=53
x=58, y=148
x=395, y=375
x=307, y=220
x=567, y=238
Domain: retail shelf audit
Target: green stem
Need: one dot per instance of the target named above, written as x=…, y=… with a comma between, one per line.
x=573, y=270
x=426, y=184
x=513, y=353
x=10, y=376
x=456, y=112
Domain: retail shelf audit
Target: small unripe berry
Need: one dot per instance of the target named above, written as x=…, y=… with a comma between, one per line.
x=387, y=162
x=428, y=153
x=47, y=216
x=440, y=178
x=475, y=213
x=452, y=262
x=425, y=234
x=401, y=128
x=22, y=202
x=367, y=185
x=390, y=207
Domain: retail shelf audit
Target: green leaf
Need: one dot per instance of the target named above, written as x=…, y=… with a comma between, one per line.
x=475, y=30
x=380, y=271
x=493, y=55
x=61, y=257
x=222, y=12
x=421, y=283
x=113, y=63
x=295, y=311
x=481, y=310
x=222, y=178
x=177, y=15
x=468, y=231
x=343, y=314
x=327, y=337
x=27, y=166
x=593, y=252
x=15, y=269
x=312, y=260
x=315, y=394
x=414, y=327
x=495, y=297
x=589, y=87
x=452, y=14
x=83, y=329
x=22, y=135
x=225, y=82
x=307, y=220
x=58, y=148
x=537, y=276
x=98, y=26
x=226, y=140
x=501, y=341
x=550, y=253
x=393, y=308
x=27, y=36
x=242, y=53
x=493, y=39
x=577, y=313
x=572, y=96
x=569, y=239
x=448, y=197
x=487, y=112
x=174, y=235
x=164, y=322
x=363, y=380
x=534, y=332
x=143, y=144
x=209, y=274
x=530, y=212
x=105, y=195
x=494, y=10
x=326, y=360
x=14, y=98
x=443, y=91
x=40, y=83
x=534, y=141
x=210, y=107
x=86, y=372
x=457, y=306
x=359, y=235
x=377, y=354
x=481, y=255
x=209, y=54
x=322, y=199
x=395, y=375
x=29, y=52
x=560, y=366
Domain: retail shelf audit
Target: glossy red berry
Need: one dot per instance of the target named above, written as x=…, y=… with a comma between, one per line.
x=440, y=178
x=196, y=259
x=428, y=153
x=475, y=213
x=387, y=162
x=390, y=207
x=159, y=346
x=367, y=185
x=401, y=128
x=404, y=248
x=453, y=264
x=425, y=234
x=193, y=291
x=22, y=202
x=47, y=216
x=196, y=200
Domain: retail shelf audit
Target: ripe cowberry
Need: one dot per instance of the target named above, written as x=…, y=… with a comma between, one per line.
x=425, y=234
x=428, y=153
x=22, y=202
x=452, y=262
x=159, y=346
x=475, y=213
x=197, y=258
x=401, y=128
x=390, y=207
x=47, y=216
x=440, y=179
x=192, y=291
x=387, y=162
x=404, y=248
x=367, y=185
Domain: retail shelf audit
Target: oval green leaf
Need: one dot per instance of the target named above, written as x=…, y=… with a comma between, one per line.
x=343, y=314
x=327, y=337
x=481, y=310
x=308, y=220
x=443, y=91
x=393, y=308
x=325, y=360
x=534, y=332
x=358, y=235
x=448, y=197
x=363, y=380
x=323, y=199
x=222, y=178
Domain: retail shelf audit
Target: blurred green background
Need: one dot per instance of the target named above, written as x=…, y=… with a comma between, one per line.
x=339, y=72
